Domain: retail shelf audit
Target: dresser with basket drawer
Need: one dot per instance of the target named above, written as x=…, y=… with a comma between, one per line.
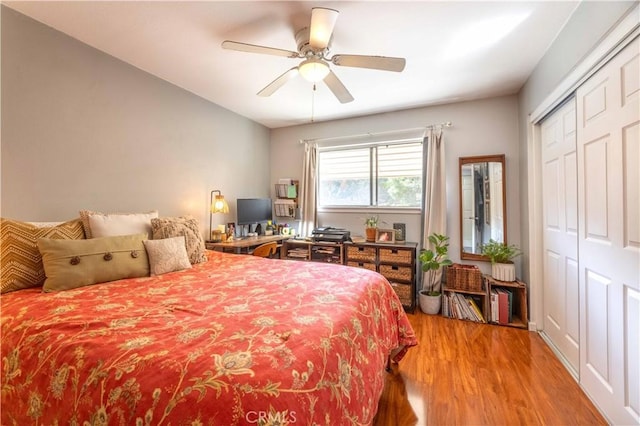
x=395, y=261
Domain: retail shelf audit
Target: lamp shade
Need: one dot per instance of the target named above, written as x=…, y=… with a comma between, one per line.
x=219, y=204
x=313, y=69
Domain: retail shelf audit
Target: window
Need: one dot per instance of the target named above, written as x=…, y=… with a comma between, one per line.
x=381, y=175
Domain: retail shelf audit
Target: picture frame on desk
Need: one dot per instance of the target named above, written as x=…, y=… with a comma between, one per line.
x=401, y=231
x=231, y=229
x=385, y=236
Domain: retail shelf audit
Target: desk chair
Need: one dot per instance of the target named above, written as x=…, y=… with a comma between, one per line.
x=266, y=249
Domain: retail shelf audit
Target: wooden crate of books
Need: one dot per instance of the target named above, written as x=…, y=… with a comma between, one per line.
x=464, y=277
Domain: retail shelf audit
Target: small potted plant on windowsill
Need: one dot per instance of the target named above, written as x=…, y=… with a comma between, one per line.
x=433, y=260
x=370, y=226
x=501, y=255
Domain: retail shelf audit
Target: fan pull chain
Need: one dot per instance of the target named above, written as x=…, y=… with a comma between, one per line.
x=313, y=102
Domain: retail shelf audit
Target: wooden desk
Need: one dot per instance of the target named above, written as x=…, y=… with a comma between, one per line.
x=243, y=245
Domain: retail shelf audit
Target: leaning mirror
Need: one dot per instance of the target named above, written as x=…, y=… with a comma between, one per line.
x=483, y=209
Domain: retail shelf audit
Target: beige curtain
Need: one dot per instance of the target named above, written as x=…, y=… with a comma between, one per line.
x=308, y=215
x=434, y=198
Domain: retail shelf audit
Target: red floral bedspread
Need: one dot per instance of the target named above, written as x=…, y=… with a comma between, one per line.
x=238, y=340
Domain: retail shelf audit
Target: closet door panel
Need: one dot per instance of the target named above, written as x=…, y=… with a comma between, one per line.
x=632, y=335
x=631, y=153
x=608, y=114
x=560, y=222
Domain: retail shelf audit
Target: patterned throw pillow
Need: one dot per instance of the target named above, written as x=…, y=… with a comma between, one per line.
x=167, y=227
x=167, y=255
x=98, y=224
x=20, y=261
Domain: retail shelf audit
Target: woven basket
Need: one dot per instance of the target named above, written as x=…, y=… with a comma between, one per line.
x=400, y=273
x=397, y=256
x=364, y=265
x=366, y=254
x=464, y=277
x=403, y=291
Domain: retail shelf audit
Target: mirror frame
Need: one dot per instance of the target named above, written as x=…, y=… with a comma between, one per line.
x=500, y=158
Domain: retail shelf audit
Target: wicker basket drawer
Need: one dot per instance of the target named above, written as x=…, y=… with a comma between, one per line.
x=397, y=256
x=358, y=253
x=404, y=292
x=364, y=265
x=396, y=273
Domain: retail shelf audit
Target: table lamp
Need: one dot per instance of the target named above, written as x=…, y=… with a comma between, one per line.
x=218, y=205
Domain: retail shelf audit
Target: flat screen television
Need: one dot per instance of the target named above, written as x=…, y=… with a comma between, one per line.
x=253, y=210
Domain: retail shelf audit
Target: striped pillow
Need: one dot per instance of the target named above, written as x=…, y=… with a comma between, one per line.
x=20, y=260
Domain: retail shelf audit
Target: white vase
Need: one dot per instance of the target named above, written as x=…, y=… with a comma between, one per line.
x=429, y=304
x=503, y=271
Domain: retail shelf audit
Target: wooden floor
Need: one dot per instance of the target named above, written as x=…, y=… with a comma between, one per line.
x=463, y=373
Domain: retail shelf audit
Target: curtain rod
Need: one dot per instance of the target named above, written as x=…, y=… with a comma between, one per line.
x=441, y=125
x=427, y=127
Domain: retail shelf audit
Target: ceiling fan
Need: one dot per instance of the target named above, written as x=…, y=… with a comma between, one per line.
x=313, y=44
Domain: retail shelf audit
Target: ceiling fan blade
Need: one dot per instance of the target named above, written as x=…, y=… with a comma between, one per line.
x=384, y=63
x=279, y=82
x=322, y=22
x=253, y=48
x=338, y=89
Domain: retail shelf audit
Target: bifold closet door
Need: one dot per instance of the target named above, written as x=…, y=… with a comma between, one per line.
x=560, y=233
x=608, y=153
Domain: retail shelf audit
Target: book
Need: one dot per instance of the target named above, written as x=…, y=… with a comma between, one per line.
x=494, y=306
x=476, y=310
x=510, y=296
x=503, y=306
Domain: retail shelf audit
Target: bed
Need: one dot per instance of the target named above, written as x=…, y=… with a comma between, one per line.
x=234, y=340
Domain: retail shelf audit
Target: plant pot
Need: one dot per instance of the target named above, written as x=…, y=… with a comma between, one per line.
x=503, y=271
x=371, y=234
x=429, y=304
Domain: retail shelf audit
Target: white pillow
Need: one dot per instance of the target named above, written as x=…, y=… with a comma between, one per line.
x=167, y=255
x=111, y=225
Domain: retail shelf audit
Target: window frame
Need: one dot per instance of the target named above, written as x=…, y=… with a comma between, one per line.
x=373, y=177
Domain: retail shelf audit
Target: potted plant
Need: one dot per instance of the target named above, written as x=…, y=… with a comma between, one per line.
x=500, y=255
x=370, y=226
x=432, y=260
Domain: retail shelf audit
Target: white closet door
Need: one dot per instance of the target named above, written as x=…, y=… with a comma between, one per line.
x=608, y=134
x=560, y=239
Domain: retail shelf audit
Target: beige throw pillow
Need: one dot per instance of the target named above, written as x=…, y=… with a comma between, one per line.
x=167, y=255
x=167, y=227
x=20, y=261
x=98, y=224
x=75, y=263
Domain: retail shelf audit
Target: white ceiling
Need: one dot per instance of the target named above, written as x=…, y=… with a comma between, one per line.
x=180, y=42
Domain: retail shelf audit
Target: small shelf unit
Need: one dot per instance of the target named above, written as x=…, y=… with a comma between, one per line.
x=286, y=204
x=312, y=251
x=519, y=312
x=452, y=296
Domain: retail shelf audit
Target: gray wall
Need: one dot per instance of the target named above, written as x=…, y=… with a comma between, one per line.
x=83, y=130
x=590, y=22
x=482, y=127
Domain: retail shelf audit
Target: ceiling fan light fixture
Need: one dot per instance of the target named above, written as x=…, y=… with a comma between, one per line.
x=322, y=22
x=313, y=69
